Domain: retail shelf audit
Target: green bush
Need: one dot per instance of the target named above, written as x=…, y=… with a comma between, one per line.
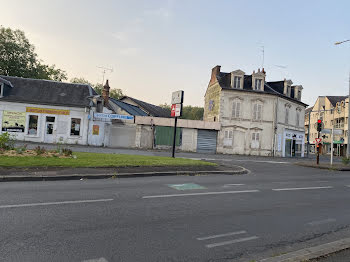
x=345, y=160
x=6, y=141
x=39, y=150
x=21, y=149
x=67, y=151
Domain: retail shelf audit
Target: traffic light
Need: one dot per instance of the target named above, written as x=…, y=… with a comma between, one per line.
x=319, y=125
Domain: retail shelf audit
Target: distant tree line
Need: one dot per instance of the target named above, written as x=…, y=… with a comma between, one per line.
x=188, y=112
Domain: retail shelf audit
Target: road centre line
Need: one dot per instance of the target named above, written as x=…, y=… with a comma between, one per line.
x=301, y=188
x=57, y=203
x=203, y=193
x=228, y=185
x=102, y=259
x=222, y=235
x=231, y=242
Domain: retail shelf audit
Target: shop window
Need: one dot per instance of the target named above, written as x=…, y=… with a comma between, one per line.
x=33, y=125
x=75, y=127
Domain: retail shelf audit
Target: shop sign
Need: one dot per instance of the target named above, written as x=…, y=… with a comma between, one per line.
x=47, y=111
x=13, y=121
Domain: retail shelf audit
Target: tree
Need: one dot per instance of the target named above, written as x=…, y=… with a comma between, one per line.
x=18, y=58
x=114, y=93
x=188, y=112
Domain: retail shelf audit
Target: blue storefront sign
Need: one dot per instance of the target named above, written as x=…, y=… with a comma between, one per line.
x=113, y=116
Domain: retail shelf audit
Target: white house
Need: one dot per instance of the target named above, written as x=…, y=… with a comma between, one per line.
x=257, y=117
x=50, y=112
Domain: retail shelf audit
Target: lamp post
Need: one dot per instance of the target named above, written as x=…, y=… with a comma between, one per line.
x=348, y=134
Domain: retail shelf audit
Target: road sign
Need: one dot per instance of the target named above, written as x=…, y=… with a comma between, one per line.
x=338, y=132
x=177, y=97
x=176, y=110
x=326, y=131
x=318, y=140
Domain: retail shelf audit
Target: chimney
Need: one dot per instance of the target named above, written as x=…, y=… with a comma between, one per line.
x=214, y=73
x=263, y=70
x=105, y=93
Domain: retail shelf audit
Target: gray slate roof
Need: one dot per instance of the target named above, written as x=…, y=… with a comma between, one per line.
x=335, y=99
x=131, y=109
x=152, y=110
x=46, y=92
x=275, y=87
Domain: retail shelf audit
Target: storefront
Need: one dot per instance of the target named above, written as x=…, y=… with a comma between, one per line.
x=293, y=143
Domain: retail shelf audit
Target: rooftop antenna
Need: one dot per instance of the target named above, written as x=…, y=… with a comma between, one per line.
x=263, y=55
x=104, y=70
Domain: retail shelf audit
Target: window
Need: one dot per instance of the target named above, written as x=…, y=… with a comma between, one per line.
x=298, y=119
x=255, y=140
x=257, y=84
x=75, y=127
x=287, y=116
x=299, y=95
x=288, y=91
x=1, y=90
x=257, y=111
x=228, y=139
x=236, y=109
x=237, y=82
x=33, y=125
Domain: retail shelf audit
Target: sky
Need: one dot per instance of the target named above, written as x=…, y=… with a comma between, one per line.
x=157, y=47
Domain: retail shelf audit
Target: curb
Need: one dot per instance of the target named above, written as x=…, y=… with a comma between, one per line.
x=335, y=168
x=312, y=252
x=119, y=175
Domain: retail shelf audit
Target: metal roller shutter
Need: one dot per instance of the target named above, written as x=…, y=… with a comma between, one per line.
x=206, y=141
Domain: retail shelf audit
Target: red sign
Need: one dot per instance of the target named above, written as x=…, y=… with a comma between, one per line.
x=175, y=110
x=318, y=140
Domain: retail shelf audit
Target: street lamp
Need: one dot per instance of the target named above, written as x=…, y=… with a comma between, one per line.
x=348, y=145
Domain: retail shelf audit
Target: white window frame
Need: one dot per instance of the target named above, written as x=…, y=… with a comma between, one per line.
x=257, y=84
x=237, y=82
x=228, y=138
x=38, y=125
x=255, y=140
x=257, y=111
x=236, y=109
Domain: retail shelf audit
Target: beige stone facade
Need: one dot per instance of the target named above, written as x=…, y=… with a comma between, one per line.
x=257, y=117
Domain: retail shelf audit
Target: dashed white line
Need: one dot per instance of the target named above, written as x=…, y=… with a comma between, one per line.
x=102, y=259
x=203, y=194
x=231, y=242
x=57, y=203
x=321, y=222
x=301, y=188
x=228, y=185
x=222, y=235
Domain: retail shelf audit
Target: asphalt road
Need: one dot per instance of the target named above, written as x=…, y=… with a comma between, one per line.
x=275, y=209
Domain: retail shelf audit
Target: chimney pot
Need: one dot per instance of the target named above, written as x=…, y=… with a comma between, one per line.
x=105, y=92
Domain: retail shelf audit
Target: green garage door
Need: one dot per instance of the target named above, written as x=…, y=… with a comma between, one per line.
x=164, y=135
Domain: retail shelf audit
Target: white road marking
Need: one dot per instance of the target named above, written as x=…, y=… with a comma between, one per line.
x=228, y=185
x=231, y=242
x=301, y=188
x=222, y=235
x=261, y=161
x=321, y=222
x=102, y=259
x=204, y=193
x=57, y=203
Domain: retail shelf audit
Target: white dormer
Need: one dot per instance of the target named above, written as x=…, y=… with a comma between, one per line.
x=237, y=79
x=287, y=87
x=258, y=80
x=297, y=92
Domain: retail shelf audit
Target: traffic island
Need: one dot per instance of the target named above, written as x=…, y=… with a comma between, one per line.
x=94, y=166
x=335, y=166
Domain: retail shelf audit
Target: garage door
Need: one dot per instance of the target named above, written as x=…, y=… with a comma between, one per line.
x=206, y=141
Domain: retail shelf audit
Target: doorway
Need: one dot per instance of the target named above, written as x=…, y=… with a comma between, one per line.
x=49, y=129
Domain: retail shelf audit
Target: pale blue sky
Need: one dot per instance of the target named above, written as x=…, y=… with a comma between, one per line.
x=156, y=47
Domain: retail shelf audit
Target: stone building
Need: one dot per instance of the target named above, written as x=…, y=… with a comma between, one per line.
x=257, y=117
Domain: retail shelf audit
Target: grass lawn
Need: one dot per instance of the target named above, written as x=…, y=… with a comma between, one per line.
x=97, y=160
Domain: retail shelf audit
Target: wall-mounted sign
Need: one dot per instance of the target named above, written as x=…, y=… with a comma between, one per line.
x=13, y=121
x=47, y=111
x=95, y=130
x=177, y=97
x=112, y=116
x=176, y=110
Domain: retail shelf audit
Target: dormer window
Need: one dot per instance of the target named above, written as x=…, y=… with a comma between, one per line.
x=288, y=90
x=237, y=82
x=1, y=90
x=257, y=85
